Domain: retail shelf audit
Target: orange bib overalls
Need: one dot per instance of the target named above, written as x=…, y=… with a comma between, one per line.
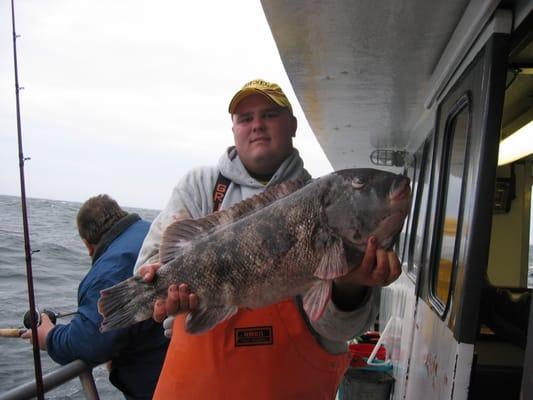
x=267, y=353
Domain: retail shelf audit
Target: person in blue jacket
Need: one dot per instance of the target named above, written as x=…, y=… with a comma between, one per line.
x=113, y=239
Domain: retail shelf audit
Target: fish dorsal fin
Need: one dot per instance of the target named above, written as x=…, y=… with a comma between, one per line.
x=258, y=201
x=180, y=233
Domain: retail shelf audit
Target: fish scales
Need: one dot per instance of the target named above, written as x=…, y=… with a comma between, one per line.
x=293, y=239
x=245, y=256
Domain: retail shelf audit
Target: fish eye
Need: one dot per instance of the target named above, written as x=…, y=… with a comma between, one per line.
x=358, y=183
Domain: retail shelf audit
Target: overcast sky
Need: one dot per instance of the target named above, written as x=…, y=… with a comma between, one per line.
x=124, y=96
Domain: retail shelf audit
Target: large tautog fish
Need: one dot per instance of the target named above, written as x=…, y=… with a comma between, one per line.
x=292, y=239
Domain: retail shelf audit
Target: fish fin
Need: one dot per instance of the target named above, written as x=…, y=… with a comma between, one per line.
x=256, y=202
x=316, y=299
x=180, y=233
x=333, y=262
x=125, y=304
x=202, y=320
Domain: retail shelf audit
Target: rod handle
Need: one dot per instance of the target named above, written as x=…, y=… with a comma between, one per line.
x=11, y=332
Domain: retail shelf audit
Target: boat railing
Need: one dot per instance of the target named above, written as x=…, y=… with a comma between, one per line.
x=57, y=378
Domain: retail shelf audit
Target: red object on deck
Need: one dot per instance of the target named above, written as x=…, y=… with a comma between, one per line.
x=360, y=353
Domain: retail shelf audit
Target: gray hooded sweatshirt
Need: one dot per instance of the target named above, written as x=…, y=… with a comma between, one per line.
x=193, y=197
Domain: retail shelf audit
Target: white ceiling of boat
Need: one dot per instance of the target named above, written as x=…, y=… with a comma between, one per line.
x=361, y=68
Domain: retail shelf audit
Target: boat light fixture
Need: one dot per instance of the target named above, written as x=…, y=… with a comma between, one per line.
x=389, y=158
x=517, y=145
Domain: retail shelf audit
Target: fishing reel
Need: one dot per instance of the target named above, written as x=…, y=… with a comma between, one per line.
x=53, y=315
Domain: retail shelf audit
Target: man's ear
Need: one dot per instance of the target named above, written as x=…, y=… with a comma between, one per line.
x=294, y=126
x=90, y=247
x=232, y=124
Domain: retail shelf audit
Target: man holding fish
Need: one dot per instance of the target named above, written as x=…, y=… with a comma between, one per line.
x=295, y=347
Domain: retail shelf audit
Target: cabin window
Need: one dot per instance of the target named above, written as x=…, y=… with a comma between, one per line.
x=452, y=170
x=411, y=171
x=419, y=210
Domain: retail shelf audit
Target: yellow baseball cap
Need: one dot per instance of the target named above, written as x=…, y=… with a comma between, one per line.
x=272, y=91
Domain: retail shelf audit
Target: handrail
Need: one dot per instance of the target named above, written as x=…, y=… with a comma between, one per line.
x=57, y=378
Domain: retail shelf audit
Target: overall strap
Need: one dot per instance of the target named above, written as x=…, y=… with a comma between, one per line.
x=221, y=187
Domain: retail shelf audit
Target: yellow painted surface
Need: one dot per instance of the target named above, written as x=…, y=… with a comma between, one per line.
x=504, y=267
x=444, y=278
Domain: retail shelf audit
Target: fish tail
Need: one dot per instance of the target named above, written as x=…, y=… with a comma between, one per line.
x=126, y=303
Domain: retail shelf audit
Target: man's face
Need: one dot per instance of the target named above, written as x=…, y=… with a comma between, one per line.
x=263, y=134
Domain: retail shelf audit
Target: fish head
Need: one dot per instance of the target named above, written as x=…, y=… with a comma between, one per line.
x=363, y=202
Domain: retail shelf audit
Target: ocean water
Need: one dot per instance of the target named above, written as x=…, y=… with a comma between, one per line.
x=58, y=267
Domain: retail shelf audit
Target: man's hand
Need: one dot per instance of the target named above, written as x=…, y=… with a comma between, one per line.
x=42, y=331
x=379, y=268
x=179, y=298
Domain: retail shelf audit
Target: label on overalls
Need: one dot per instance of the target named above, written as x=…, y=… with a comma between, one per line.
x=254, y=336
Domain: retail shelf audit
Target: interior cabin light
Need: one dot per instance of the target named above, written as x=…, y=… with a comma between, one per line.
x=517, y=145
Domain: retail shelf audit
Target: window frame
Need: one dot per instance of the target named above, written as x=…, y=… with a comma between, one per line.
x=424, y=151
x=447, y=141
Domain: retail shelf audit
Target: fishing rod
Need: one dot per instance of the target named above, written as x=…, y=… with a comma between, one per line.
x=26, y=321
x=27, y=247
